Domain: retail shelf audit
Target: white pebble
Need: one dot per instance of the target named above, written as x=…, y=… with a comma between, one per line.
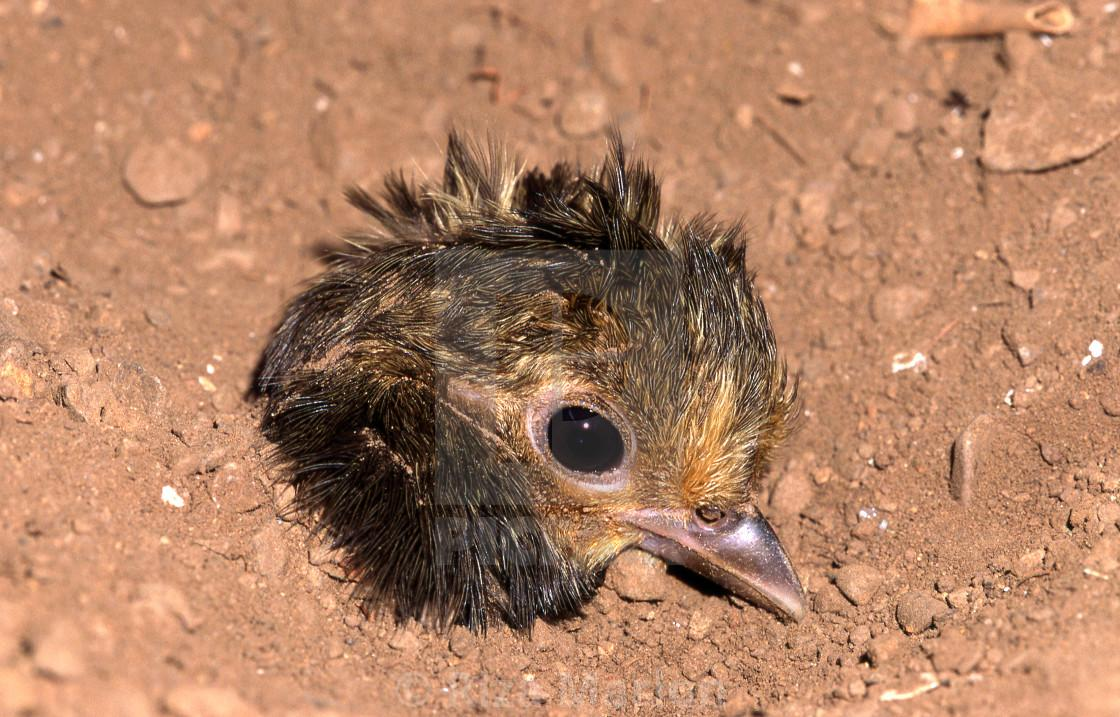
x=906, y=362
x=171, y=496
x=1096, y=350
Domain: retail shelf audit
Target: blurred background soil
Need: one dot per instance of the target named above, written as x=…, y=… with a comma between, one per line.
x=934, y=226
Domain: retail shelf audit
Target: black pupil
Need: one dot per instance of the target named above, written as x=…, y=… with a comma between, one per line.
x=582, y=440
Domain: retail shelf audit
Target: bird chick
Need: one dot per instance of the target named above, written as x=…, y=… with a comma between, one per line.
x=517, y=375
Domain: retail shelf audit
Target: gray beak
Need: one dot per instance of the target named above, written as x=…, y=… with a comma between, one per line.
x=740, y=552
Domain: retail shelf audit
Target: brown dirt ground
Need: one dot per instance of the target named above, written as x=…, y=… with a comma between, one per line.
x=128, y=336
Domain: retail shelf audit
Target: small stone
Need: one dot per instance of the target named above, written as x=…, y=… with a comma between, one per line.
x=164, y=173
x=958, y=599
x=793, y=91
x=157, y=317
x=1025, y=279
x=1110, y=401
x=405, y=639
x=16, y=382
x=195, y=701
x=858, y=583
x=871, y=148
x=58, y=654
x=791, y=494
x=638, y=577
x=897, y=304
x=967, y=451
x=1023, y=351
x=584, y=114
x=699, y=623
x=917, y=610
x=899, y=114
x=857, y=689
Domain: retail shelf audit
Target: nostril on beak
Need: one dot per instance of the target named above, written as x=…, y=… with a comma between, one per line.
x=738, y=550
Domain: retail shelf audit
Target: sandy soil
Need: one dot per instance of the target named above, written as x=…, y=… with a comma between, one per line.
x=143, y=569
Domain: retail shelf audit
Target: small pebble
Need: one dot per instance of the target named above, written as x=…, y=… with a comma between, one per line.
x=164, y=173
x=1025, y=279
x=405, y=639
x=858, y=583
x=584, y=114
x=916, y=611
x=871, y=148
x=1110, y=401
x=699, y=623
x=967, y=451
x=171, y=497
x=957, y=599
x=157, y=317
x=793, y=91
x=638, y=577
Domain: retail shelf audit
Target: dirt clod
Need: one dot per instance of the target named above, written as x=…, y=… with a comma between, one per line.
x=858, y=583
x=916, y=611
x=164, y=173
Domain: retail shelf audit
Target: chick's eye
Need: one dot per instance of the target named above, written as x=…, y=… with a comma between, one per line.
x=582, y=440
